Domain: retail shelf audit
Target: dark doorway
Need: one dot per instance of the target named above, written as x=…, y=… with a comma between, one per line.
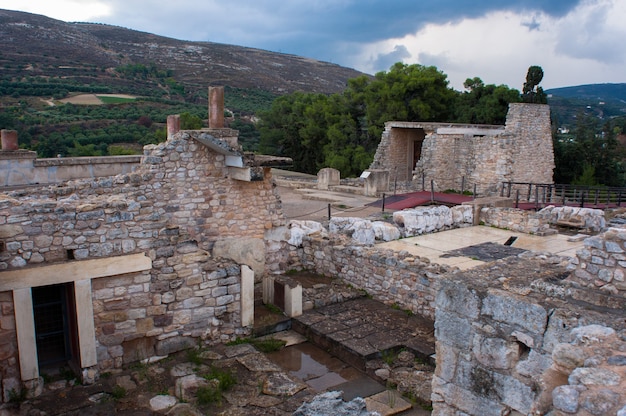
x=55, y=323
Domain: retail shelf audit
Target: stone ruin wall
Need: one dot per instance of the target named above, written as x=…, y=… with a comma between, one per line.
x=174, y=208
x=519, y=336
x=485, y=156
x=392, y=153
x=531, y=334
x=408, y=282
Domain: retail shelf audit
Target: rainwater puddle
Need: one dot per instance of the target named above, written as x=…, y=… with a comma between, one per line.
x=323, y=372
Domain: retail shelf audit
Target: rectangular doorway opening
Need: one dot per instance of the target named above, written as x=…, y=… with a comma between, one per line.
x=55, y=325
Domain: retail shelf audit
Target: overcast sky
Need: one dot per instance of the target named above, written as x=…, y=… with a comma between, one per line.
x=574, y=41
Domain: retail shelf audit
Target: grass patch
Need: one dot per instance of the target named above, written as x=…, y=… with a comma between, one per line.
x=118, y=392
x=194, y=356
x=388, y=356
x=273, y=308
x=269, y=344
x=399, y=308
x=222, y=381
x=263, y=345
x=17, y=396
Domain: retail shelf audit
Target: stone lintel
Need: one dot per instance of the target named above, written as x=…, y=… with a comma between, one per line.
x=73, y=271
x=486, y=129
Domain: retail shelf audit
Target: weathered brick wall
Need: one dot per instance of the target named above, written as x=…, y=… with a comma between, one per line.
x=515, y=336
x=390, y=277
x=174, y=209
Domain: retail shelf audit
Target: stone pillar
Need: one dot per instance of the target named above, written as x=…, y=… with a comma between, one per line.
x=268, y=289
x=328, y=177
x=173, y=125
x=247, y=296
x=9, y=139
x=376, y=181
x=216, y=107
x=293, y=300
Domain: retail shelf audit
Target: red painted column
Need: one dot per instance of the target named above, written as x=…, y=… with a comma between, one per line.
x=173, y=125
x=9, y=139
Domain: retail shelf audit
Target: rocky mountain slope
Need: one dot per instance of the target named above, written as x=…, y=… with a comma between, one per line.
x=49, y=47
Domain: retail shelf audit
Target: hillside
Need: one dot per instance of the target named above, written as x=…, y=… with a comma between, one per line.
x=603, y=101
x=85, y=52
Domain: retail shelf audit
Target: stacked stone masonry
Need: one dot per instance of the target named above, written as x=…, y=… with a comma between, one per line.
x=516, y=336
x=173, y=209
x=399, y=279
x=454, y=156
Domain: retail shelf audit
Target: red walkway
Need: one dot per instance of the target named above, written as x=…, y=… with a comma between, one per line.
x=414, y=199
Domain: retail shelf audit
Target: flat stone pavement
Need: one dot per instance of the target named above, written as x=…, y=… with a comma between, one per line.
x=363, y=329
x=444, y=247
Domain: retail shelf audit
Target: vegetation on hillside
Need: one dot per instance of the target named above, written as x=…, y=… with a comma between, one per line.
x=590, y=154
x=340, y=130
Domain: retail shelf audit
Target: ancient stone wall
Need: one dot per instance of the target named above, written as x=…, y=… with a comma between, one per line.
x=21, y=167
x=173, y=209
x=409, y=282
x=519, y=336
x=601, y=264
x=455, y=156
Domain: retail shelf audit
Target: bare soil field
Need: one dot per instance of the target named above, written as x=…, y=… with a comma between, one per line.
x=92, y=99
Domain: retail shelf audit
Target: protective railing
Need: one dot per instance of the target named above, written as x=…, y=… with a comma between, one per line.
x=541, y=195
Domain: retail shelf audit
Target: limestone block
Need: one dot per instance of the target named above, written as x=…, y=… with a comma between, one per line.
x=300, y=229
x=452, y=330
x=174, y=344
x=423, y=220
x=495, y=352
x=162, y=403
x=248, y=251
x=594, y=377
x=456, y=297
x=384, y=231
x=186, y=387
x=599, y=402
x=505, y=308
x=536, y=363
x=328, y=177
x=466, y=401
x=592, y=334
x=462, y=214
x=568, y=357
x=565, y=398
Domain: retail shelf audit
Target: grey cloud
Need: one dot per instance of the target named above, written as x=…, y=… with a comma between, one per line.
x=384, y=61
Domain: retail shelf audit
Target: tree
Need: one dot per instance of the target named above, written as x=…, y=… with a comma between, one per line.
x=484, y=104
x=407, y=93
x=592, y=155
x=190, y=122
x=532, y=92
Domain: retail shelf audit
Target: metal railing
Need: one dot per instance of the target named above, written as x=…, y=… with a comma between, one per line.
x=541, y=195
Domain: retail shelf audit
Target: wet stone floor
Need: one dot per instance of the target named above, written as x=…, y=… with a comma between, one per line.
x=273, y=383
